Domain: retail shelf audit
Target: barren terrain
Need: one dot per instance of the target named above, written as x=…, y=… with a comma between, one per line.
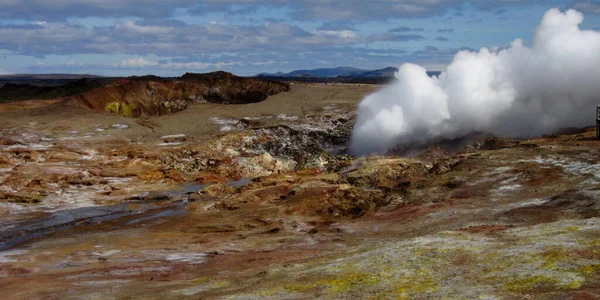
x=260, y=201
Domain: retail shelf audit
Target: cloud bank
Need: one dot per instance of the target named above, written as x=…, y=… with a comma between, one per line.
x=46, y=35
x=518, y=91
x=131, y=37
x=299, y=9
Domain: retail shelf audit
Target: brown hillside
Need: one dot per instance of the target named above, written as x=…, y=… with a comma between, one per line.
x=153, y=96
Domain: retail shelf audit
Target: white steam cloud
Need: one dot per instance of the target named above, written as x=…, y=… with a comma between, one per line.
x=519, y=91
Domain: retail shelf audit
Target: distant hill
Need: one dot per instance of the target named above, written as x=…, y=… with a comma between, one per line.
x=37, y=81
x=340, y=72
x=385, y=72
x=154, y=96
x=320, y=73
x=141, y=95
x=50, y=89
x=47, y=76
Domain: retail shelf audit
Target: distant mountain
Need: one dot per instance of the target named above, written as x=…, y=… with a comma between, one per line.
x=340, y=72
x=320, y=73
x=385, y=72
x=42, y=80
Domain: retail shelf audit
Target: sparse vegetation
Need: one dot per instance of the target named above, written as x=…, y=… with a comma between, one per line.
x=121, y=109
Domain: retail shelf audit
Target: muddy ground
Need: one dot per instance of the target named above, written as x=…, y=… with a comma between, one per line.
x=259, y=201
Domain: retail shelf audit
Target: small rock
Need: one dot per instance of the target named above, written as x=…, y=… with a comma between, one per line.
x=454, y=183
x=494, y=143
x=274, y=230
x=174, y=138
x=120, y=126
x=24, y=198
x=216, y=190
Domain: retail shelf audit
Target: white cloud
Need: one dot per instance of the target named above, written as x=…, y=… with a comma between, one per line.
x=75, y=63
x=135, y=38
x=142, y=63
x=263, y=63
x=136, y=63
x=305, y=9
x=131, y=27
x=355, y=10
x=195, y=65
x=341, y=34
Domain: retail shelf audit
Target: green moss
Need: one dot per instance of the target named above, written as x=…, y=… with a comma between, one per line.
x=349, y=281
x=128, y=110
x=113, y=108
x=341, y=284
x=589, y=270
x=199, y=280
x=530, y=283
x=222, y=284
x=420, y=283
x=121, y=109
x=552, y=257
x=299, y=288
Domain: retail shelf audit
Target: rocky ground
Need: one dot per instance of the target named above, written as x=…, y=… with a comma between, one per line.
x=260, y=202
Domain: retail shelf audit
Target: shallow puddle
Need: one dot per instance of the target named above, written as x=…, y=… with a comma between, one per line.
x=240, y=183
x=26, y=230
x=155, y=205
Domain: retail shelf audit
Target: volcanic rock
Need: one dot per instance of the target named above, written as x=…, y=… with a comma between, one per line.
x=154, y=96
x=23, y=198
x=497, y=143
x=378, y=172
x=339, y=201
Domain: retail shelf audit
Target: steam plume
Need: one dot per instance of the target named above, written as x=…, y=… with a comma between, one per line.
x=518, y=91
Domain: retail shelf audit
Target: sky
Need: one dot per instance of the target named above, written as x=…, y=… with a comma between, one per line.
x=247, y=37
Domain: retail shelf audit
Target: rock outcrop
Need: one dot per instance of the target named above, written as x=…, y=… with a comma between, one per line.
x=154, y=96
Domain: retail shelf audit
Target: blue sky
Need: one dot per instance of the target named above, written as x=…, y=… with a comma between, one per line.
x=246, y=37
